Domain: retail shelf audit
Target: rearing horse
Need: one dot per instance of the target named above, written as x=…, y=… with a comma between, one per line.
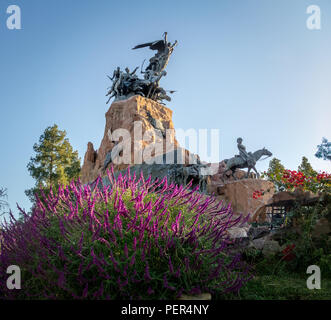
x=238, y=162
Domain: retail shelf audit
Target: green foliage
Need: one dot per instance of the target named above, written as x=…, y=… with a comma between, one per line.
x=306, y=168
x=274, y=173
x=283, y=287
x=305, y=179
x=55, y=162
x=311, y=248
x=276, y=279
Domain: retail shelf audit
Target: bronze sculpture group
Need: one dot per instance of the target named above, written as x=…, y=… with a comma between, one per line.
x=126, y=84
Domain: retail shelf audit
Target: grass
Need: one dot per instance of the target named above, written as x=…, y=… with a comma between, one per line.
x=286, y=287
x=274, y=280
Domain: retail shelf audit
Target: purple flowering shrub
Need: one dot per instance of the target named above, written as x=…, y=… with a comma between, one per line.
x=135, y=239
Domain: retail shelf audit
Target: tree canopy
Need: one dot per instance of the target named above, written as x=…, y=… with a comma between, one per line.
x=306, y=168
x=275, y=170
x=55, y=162
x=324, y=150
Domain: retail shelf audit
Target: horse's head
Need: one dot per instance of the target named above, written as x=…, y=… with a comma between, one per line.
x=262, y=152
x=266, y=152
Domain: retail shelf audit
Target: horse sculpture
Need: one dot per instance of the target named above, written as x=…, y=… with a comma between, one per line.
x=193, y=172
x=237, y=162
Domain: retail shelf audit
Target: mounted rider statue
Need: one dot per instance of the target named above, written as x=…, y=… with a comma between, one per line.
x=243, y=153
x=245, y=159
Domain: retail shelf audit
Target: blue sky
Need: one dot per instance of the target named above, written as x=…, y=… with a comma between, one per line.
x=250, y=68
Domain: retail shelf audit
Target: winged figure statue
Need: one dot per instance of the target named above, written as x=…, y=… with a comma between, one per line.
x=127, y=84
x=164, y=50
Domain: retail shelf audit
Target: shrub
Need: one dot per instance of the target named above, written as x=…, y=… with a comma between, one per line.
x=310, y=248
x=135, y=239
x=289, y=180
x=302, y=245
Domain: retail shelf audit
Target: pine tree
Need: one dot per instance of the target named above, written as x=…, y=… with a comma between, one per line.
x=306, y=168
x=54, y=163
x=274, y=173
x=275, y=166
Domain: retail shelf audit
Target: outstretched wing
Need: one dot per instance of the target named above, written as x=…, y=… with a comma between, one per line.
x=156, y=45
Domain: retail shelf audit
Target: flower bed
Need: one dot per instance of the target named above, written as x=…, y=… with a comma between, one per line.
x=135, y=239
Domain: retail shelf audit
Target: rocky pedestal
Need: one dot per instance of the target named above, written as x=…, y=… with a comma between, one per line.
x=240, y=194
x=151, y=133
x=239, y=191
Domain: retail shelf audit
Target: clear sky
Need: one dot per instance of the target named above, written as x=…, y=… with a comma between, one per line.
x=250, y=68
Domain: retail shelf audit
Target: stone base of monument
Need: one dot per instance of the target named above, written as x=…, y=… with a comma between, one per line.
x=134, y=117
x=240, y=194
x=238, y=190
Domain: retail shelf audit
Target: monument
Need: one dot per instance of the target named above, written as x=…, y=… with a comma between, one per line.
x=139, y=133
x=138, y=110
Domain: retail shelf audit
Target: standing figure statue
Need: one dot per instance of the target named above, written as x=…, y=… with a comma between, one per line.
x=115, y=88
x=128, y=79
x=164, y=50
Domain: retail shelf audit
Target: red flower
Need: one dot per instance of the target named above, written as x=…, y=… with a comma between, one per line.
x=288, y=254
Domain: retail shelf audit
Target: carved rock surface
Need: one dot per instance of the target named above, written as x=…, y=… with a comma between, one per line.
x=271, y=247
x=258, y=232
x=266, y=245
x=87, y=172
x=237, y=232
x=279, y=198
x=240, y=194
x=130, y=114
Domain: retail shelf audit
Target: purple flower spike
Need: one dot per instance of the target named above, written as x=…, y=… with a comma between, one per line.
x=110, y=240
